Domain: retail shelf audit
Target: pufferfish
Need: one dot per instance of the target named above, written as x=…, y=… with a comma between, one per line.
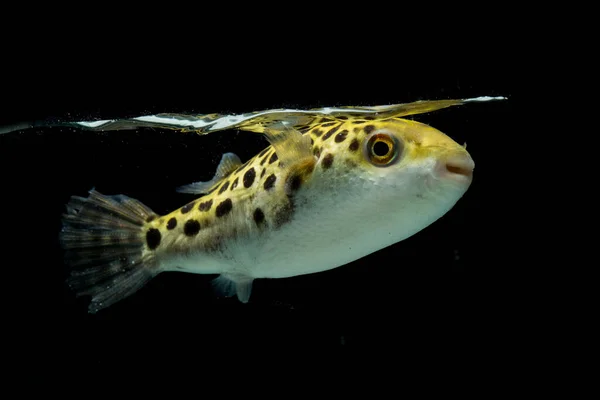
x=334, y=185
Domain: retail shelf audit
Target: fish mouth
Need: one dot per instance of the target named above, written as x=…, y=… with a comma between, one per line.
x=457, y=167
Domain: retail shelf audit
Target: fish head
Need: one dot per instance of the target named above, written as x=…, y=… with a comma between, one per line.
x=406, y=154
x=399, y=175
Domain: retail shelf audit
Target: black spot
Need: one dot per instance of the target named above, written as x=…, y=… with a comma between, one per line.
x=191, y=227
x=153, y=238
x=328, y=124
x=185, y=209
x=369, y=118
x=263, y=173
x=264, y=159
x=151, y=218
x=354, y=145
x=368, y=129
x=317, y=152
x=259, y=216
x=284, y=214
x=294, y=183
x=358, y=122
x=340, y=137
x=342, y=117
x=327, y=161
x=224, y=208
x=224, y=187
x=317, y=132
x=262, y=153
x=234, y=184
x=273, y=158
x=249, y=177
x=171, y=224
x=206, y=205
x=243, y=166
x=270, y=182
x=312, y=142
x=212, y=190
x=331, y=132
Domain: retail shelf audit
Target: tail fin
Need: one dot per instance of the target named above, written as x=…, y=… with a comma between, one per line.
x=104, y=240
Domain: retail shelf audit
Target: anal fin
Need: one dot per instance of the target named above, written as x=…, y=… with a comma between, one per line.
x=229, y=285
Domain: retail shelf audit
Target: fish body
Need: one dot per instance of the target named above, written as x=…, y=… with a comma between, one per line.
x=329, y=189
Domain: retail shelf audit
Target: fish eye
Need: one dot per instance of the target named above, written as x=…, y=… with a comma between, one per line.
x=382, y=149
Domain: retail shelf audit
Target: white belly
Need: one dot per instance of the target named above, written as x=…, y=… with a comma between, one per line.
x=331, y=235
x=327, y=234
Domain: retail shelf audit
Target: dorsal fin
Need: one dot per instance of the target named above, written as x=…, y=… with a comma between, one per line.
x=229, y=163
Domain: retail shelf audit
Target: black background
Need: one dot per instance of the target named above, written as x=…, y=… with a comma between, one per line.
x=444, y=291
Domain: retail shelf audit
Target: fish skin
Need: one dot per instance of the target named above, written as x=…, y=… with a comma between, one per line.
x=313, y=200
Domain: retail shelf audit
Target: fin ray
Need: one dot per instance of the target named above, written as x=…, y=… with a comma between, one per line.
x=229, y=285
x=103, y=242
x=289, y=144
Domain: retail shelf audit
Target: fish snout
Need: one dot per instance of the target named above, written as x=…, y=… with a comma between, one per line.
x=456, y=166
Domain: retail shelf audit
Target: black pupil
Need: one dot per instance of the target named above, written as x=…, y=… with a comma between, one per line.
x=381, y=149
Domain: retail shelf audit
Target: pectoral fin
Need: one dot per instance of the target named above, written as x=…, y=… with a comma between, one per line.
x=290, y=145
